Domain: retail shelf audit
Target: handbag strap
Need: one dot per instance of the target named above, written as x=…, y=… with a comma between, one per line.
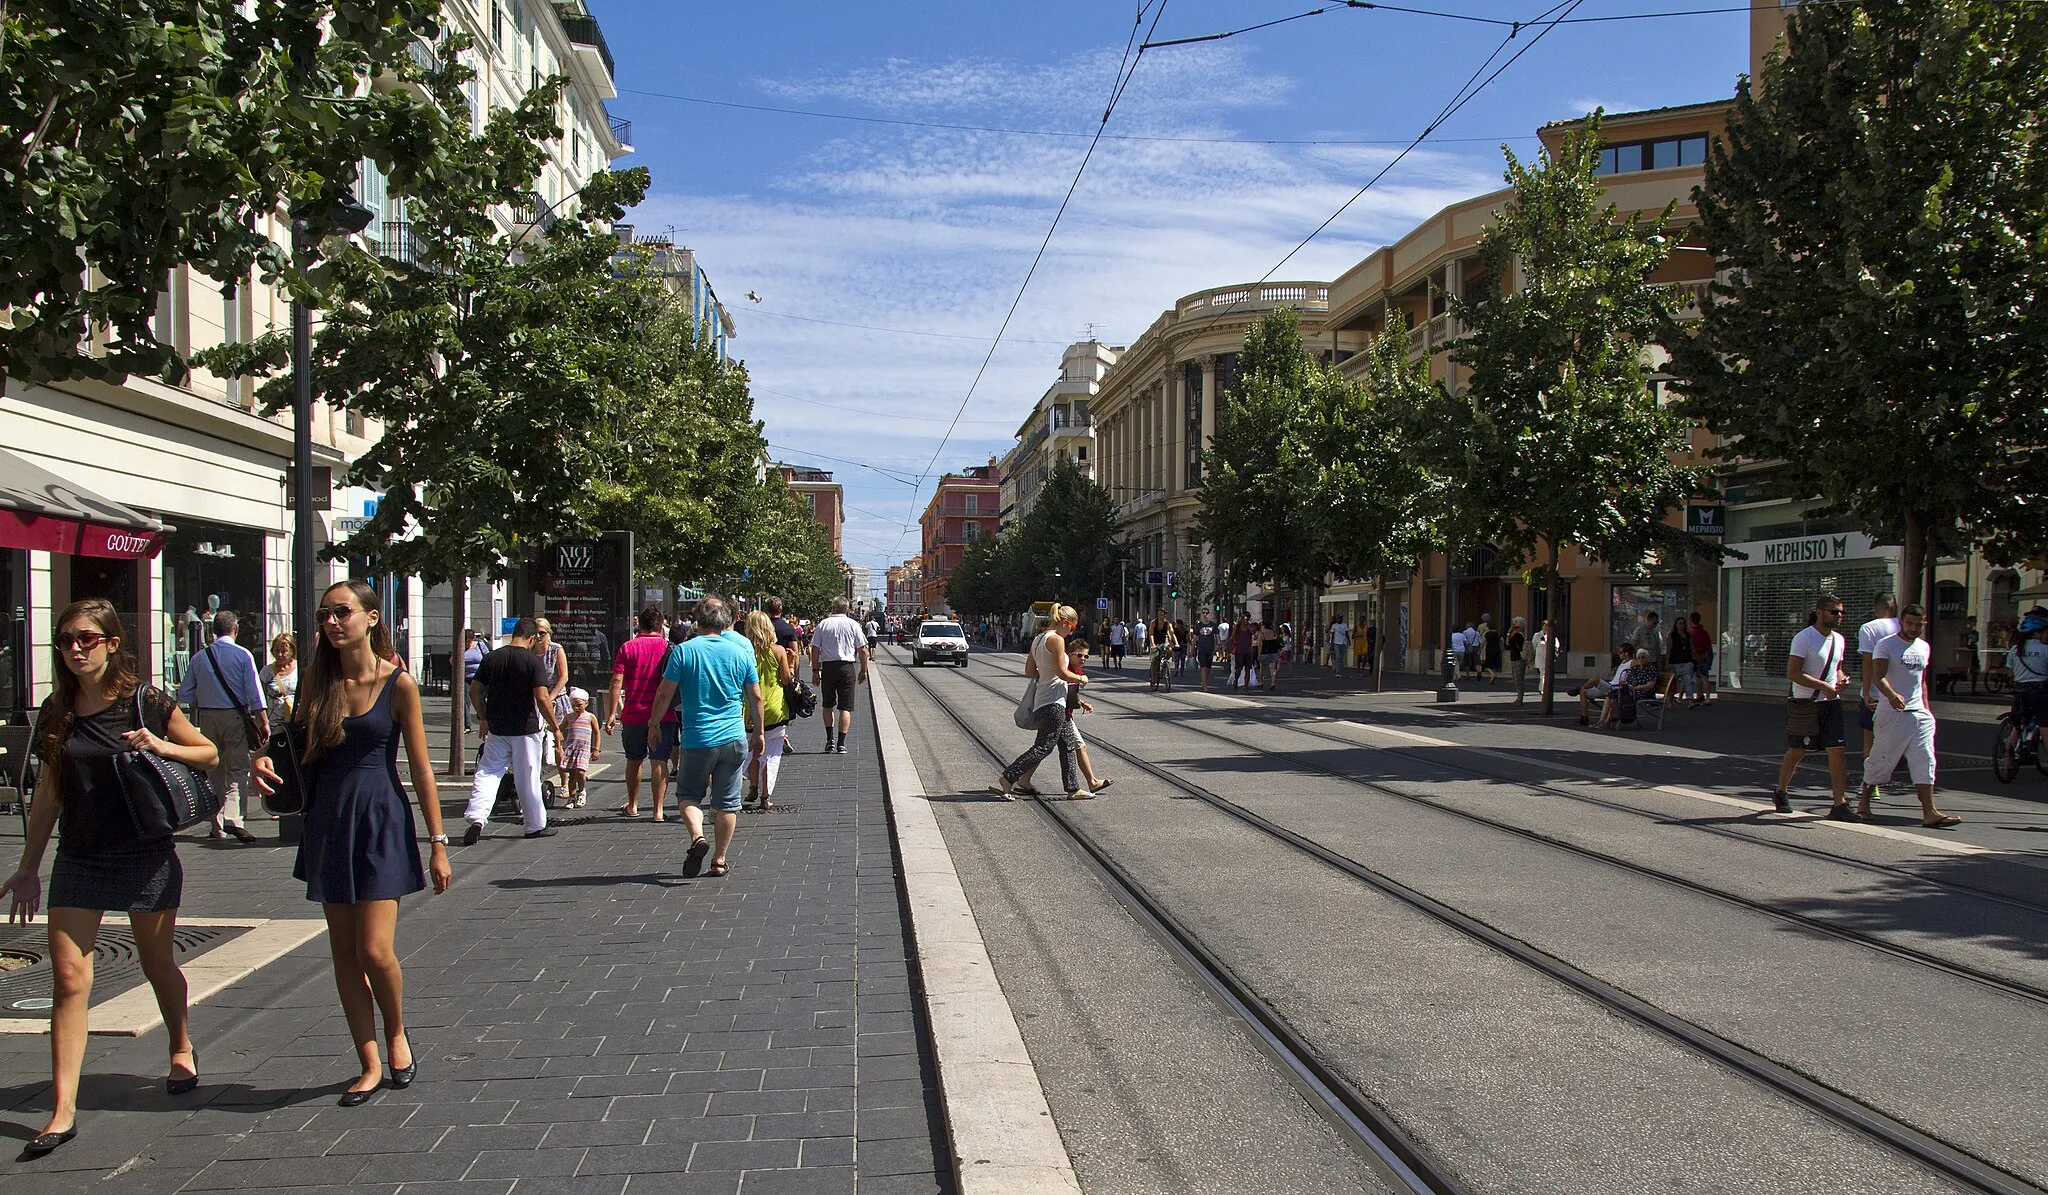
x=240, y=707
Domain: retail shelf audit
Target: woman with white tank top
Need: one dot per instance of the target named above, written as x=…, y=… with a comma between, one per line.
x=1047, y=663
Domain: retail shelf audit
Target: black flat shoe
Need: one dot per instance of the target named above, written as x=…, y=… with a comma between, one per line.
x=186, y=1085
x=355, y=1099
x=240, y=835
x=402, y=1076
x=46, y=1142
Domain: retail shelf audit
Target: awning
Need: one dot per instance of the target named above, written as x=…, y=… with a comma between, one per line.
x=42, y=512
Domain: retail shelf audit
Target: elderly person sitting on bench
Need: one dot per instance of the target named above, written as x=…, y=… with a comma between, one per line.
x=1636, y=681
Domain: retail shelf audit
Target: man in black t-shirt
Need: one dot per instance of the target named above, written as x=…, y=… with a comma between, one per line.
x=511, y=688
x=785, y=630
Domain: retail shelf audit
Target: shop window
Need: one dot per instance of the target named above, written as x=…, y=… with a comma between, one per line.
x=209, y=567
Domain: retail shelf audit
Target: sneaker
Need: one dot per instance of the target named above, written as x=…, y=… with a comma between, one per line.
x=1782, y=801
x=1842, y=813
x=840, y=749
x=470, y=835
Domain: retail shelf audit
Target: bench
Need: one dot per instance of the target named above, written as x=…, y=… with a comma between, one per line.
x=1647, y=706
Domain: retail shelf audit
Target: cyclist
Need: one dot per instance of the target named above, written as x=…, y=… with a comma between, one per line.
x=2027, y=660
x=1164, y=643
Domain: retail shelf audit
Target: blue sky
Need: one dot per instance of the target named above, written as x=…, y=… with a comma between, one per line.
x=931, y=230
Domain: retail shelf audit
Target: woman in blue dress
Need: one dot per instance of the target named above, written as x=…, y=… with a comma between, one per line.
x=359, y=852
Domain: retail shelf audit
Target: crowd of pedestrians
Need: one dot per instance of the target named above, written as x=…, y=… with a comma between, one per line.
x=320, y=737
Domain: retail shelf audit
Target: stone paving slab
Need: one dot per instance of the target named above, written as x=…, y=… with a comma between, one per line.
x=586, y=1020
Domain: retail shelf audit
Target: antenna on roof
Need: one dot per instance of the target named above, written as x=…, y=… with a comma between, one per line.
x=1088, y=330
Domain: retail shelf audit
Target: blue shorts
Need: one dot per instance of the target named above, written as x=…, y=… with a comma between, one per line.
x=633, y=741
x=722, y=768
x=1866, y=717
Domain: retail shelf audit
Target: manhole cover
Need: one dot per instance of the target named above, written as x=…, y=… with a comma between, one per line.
x=11, y=961
x=116, y=966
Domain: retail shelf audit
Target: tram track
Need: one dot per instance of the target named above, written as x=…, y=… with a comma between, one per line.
x=1941, y=1157
x=2001, y=984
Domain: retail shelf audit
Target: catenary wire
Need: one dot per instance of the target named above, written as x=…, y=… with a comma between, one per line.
x=1125, y=70
x=811, y=319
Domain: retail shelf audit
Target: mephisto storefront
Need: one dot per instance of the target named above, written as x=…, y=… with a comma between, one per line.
x=1768, y=588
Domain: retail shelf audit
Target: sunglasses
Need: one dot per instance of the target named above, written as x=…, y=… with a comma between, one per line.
x=82, y=640
x=337, y=613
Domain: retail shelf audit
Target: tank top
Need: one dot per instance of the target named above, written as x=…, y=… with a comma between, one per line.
x=774, y=701
x=1051, y=689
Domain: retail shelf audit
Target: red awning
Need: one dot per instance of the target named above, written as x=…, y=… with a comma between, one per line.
x=44, y=513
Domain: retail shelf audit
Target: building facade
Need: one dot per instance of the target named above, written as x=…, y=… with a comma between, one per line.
x=963, y=509
x=903, y=589
x=822, y=496
x=200, y=470
x=1155, y=412
x=1061, y=427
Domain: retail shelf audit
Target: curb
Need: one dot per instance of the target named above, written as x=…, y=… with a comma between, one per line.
x=1002, y=1133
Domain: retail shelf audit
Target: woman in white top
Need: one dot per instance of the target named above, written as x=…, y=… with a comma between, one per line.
x=281, y=681
x=1047, y=664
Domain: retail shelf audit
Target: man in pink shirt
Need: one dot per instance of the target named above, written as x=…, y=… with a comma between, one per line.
x=636, y=673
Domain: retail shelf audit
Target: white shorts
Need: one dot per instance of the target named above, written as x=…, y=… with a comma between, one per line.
x=1900, y=735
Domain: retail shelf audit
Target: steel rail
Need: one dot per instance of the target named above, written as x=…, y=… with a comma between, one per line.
x=1382, y=1141
x=1937, y=1155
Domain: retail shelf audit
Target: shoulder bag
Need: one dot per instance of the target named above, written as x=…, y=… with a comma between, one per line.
x=1802, y=714
x=256, y=726
x=163, y=795
x=285, y=749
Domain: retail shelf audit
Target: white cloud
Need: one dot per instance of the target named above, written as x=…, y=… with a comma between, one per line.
x=933, y=230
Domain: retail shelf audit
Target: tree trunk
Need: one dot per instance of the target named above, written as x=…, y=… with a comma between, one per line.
x=458, y=689
x=1913, y=559
x=1549, y=665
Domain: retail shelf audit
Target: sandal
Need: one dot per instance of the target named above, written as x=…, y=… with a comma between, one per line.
x=693, y=863
x=1080, y=794
x=1025, y=790
x=1946, y=819
x=1000, y=793
x=719, y=871
x=1099, y=785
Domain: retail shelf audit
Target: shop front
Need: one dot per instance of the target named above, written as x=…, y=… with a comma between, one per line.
x=209, y=568
x=61, y=543
x=1768, y=591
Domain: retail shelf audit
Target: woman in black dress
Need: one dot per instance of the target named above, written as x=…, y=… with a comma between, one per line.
x=91, y=716
x=358, y=852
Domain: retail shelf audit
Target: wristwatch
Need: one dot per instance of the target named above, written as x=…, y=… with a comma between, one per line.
x=439, y=839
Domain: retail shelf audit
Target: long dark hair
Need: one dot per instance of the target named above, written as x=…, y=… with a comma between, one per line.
x=120, y=680
x=323, y=692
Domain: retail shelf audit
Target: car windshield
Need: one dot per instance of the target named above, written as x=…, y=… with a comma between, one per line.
x=940, y=630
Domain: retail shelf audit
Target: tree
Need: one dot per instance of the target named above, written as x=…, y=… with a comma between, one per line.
x=499, y=369
x=1258, y=506
x=1382, y=502
x=1877, y=207
x=1067, y=541
x=688, y=459
x=157, y=133
x=785, y=550
x=1557, y=437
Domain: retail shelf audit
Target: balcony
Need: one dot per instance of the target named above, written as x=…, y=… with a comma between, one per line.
x=622, y=131
x=534, y=213
x=424, y=54
x=592, y=57
x=1309, y=296
x=399, y=242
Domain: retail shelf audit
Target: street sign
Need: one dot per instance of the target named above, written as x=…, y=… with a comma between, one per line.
x=1102, y=603
x=1706, y=520
x=1155, y=576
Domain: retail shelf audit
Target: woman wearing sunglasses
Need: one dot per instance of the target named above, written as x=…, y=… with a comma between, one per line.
x=358, y=851
x=89, y=718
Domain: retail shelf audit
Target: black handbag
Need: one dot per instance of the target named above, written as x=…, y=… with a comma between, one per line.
x=803, y=700
x=286, y=747
x=164, y=796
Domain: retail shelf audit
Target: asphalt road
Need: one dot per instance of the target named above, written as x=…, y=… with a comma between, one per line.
x=1522, y=1085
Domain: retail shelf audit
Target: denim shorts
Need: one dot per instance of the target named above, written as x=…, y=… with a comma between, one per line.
x=722, y=767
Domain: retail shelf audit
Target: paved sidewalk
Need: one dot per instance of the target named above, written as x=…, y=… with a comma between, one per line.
x=585, y=1020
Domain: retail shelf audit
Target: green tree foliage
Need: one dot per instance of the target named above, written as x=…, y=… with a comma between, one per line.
x=685, y=453
x=1878, y=205
x=1258, y=490
x=787, y=551
x=1557, y=437
x=499, y=370
x=153, y=133
x=1382, y=504
x=1071, y=531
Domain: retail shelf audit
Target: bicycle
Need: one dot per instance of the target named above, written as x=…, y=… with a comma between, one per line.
x=2018, y=742
x=1997, y=680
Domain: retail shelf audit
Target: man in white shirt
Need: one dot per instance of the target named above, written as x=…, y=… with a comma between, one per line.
x=1868, y=636
x=1600, y=690
x=1813, y=718
x=1340, y=642
x=1896, y=669
x=837, y=646
x=1138, y=633
x=1117, y=632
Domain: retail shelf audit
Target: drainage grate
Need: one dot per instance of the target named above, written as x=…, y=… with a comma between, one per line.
x=25, y=991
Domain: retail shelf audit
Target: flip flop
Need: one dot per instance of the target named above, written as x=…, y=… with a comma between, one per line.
x=1099, y=785
x=1946, y=819
x=1000, y=793
x=1025, y=790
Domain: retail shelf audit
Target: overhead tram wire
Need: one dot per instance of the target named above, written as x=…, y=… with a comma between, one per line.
x=1126, y=70
x=1465, y=94
x=891, y=474
x=811, y=319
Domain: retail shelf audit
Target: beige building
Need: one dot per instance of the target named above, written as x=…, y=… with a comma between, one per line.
x=199, y=458
x=1155, y=413
x=1061, y=427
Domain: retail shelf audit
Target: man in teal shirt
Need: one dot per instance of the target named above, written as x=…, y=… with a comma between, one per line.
x=715, y=676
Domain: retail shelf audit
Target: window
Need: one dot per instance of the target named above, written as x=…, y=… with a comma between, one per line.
x=1653, y=155
x=971, y=504
x=1081, y=453
x=971, y=530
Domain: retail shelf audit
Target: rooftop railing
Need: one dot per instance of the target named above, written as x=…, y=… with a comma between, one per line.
x=1311, y=296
